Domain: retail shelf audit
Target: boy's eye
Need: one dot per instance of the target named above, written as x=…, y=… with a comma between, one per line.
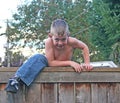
x=63, y=39
x=56, y=39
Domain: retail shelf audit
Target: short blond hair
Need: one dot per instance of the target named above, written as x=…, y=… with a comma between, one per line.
x=59, y=27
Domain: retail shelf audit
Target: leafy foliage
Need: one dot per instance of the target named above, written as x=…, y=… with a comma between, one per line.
x=16, y=59
x=97, y=23
x=106, y=27
x=32, y=22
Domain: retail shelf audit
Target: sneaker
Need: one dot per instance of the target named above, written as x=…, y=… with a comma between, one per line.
x=12, y=86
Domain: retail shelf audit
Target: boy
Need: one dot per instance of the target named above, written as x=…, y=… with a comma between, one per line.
x=58, y=52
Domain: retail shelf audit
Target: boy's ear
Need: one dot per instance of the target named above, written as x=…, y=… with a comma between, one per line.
x=50, y=35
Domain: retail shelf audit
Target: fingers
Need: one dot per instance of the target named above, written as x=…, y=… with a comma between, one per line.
x=78, y=68
x=88, y=67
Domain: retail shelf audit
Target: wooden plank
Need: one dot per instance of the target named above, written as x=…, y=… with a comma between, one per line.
x=52, y=77
x=67, y=74
x=94, y=93
x=70, y=69
x=49, y=93
x=33, y=93
x=9, y=97
x=99, y=92
x=114, y=93
x=18, y=97
x=102, y=93
x=3, y=97
x=78, y=77
x=66, y=93
x=83, y=93
x=4, y=76
x=64, y=69
x=8, y=69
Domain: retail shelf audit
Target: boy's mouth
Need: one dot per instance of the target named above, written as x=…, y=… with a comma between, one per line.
x=60, y=46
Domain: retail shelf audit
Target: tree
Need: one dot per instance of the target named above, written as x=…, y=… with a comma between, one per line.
x=115, y=54
x=106, y=27
x=32, y=21
x=16, y=59
x=96, y=23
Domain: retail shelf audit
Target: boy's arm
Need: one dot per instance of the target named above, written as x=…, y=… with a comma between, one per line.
x=81, y=45
x=86, y=58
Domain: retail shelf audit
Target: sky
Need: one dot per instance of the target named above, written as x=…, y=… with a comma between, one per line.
x=7, y=8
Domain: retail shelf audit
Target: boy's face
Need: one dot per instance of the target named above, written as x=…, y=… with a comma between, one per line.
x=60, y=41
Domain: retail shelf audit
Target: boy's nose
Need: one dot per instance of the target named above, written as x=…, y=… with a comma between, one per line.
x=60, y=42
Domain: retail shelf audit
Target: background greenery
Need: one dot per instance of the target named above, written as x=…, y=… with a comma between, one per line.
x=96, y=22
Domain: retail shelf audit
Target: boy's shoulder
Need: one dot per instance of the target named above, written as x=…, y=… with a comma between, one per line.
x=48, y=41
x=72, y=40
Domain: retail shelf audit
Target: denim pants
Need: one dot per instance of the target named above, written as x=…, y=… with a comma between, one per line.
x=31, y=68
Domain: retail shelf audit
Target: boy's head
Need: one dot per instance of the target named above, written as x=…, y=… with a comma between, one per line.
x=59, y=33
x=59, y=27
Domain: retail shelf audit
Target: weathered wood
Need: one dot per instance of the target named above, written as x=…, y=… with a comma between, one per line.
x=3, y=97
x=63, y=85
x=79, y=77
x=114, y=93
x=49, y=93
x=82, y=93
x=66, y=93
x=99, y=93
x=64, y=69
x=32, y=94
x=68, y=75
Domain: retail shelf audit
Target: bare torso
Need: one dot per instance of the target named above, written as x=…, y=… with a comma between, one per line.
x=65, y=54
x=60, y=54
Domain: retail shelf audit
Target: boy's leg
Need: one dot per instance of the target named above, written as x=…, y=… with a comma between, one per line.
x=27, y=72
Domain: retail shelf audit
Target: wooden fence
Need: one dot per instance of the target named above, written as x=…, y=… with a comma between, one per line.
x=63, y=85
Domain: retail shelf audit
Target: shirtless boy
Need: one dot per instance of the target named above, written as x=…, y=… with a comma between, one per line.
x=58, y=52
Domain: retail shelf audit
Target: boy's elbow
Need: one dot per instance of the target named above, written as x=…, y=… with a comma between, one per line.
x=86, y=47
x=50, y=64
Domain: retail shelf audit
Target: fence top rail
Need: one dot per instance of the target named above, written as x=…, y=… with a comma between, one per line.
x=67, y=74
x=64, y=69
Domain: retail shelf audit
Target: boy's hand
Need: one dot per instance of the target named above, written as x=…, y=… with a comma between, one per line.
x=76, y=66
x=88, y=67
x=79, y=68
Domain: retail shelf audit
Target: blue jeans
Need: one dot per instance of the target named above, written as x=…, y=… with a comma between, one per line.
x=31, y=68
